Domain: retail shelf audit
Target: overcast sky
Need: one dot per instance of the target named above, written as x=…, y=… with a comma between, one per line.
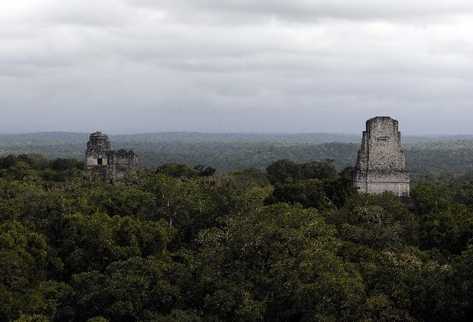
x=127, y=66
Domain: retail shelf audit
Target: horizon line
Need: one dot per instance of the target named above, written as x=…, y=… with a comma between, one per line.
x=404, y=134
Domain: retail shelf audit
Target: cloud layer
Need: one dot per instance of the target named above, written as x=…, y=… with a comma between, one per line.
x=236, y=65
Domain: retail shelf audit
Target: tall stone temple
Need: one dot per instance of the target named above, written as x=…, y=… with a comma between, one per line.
x=381, y=165
x=103, y=162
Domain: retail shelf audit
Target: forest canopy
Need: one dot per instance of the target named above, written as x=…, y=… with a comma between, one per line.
x=294, y=242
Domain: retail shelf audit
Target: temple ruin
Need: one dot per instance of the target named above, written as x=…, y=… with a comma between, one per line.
x=381, y=165
x=103, y=162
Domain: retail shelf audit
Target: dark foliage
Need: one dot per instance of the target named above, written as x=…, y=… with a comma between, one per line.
x=182, y=244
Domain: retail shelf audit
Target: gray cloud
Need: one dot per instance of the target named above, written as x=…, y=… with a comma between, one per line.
x=279, y=66
x=298, y=10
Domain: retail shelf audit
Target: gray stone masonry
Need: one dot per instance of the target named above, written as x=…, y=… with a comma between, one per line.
x=101, y=161
x=381, y=165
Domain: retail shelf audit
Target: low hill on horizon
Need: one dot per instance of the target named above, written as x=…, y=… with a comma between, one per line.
x=235, y=151
x=58, y=138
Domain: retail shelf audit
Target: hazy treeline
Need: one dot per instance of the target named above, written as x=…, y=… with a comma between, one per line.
x=230, y=152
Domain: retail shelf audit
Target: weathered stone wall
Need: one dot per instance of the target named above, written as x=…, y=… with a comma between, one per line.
x=122, y=162
x=97, y=151
x=102, y=161
x=381, y=164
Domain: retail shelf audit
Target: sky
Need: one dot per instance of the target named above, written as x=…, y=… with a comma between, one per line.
x=134, y=66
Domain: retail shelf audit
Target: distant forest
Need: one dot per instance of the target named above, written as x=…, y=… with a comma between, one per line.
x=442, y=155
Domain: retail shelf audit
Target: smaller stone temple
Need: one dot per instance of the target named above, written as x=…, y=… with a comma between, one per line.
x=381, y=165
x=103, y=162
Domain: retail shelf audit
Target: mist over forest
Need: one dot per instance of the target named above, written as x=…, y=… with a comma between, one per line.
x=426, y=155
